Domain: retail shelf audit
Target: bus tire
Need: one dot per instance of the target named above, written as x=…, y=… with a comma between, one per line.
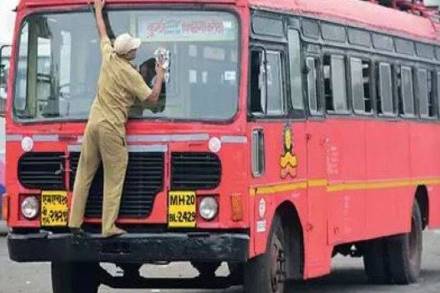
x=405, y=251
x=267, y=273
x=72, y=277
x=376, y=262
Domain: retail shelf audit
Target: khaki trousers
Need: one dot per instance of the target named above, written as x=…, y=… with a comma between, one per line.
x=101, y=143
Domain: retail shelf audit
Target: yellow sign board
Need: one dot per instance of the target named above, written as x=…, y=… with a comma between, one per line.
x=54, y=208
x=182, y=209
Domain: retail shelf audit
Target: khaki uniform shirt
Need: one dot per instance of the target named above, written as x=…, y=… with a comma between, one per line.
x=119, y=85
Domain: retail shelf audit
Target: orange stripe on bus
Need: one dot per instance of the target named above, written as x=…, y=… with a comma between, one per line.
x=277, y=188
x=335, y=187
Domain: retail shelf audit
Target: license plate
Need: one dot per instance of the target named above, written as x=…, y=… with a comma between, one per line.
x=54, y=209
x=181, y=209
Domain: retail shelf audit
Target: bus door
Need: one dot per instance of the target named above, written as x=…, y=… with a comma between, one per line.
x=278, y=140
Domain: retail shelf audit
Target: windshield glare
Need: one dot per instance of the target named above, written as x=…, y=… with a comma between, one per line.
x=59, y=62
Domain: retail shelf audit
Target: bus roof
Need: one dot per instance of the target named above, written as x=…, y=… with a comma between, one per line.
x=349, y=12
x=362, y=13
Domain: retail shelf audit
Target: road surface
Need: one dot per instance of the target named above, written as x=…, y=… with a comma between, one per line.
x=347, y=276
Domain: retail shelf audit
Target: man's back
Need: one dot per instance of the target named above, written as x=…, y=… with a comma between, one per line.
x=118, y=86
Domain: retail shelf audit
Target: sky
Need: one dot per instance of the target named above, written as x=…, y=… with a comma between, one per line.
x=7, y=18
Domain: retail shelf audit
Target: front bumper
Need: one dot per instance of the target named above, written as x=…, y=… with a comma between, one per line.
x=129, y=248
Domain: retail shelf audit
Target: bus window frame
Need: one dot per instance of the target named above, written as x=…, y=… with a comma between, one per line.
x=430, y=72
x=124, y=7
x=281, y=43
x=312, y=50
x=417, y=81
x=299, y=114
x=377, y=76
x=281, y=56
x=343, y=58
x=436, y=82
x=265, y=47
x=331, y=52
x=314, y=46
x=250, y=112
x=363, y=58
x=412, y=67
x=435, y=93
x=319, y=86
x=258, y=153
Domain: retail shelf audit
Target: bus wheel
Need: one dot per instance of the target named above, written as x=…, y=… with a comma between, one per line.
x=405, y=251
x=206, y=269
x=267, y=273
x=72, y=277
x=376, y=262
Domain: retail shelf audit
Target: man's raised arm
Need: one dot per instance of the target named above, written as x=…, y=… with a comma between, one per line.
x=99, y=6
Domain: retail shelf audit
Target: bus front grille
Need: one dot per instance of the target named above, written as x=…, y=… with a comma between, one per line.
x=42, y=170
x=143, y=181
x=195, y=171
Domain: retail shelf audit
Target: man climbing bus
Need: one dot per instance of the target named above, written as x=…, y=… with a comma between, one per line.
x=104, y=140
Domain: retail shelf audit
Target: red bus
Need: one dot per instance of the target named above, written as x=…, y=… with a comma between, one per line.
x=290, y=131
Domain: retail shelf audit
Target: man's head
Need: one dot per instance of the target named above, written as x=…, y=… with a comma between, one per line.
x=126, y=46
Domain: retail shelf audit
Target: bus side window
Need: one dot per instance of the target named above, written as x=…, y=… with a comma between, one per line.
x=258, y=84
x=267, y=86
x=398, y=79
x=21, y=85
x=313, y=86
x=328, y=89
x=385, y=105
x=432, y=100
x=407, y=91
x=275, y=84
x=335, y=84
x=422, y=92
x=437, y=92
x=258, y=156
x=360, y=86
x=296, y=91
x=425, y=93
x=366, y=82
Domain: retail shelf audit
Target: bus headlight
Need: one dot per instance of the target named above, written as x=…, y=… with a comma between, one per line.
x=30, y=207
x=208, y=208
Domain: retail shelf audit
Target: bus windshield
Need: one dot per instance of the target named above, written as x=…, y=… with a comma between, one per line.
x=59, y=62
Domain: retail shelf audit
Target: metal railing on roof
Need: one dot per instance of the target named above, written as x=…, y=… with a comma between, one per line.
x=417, y=7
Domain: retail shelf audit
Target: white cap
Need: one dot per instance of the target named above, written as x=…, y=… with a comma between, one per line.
x=125, y=43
